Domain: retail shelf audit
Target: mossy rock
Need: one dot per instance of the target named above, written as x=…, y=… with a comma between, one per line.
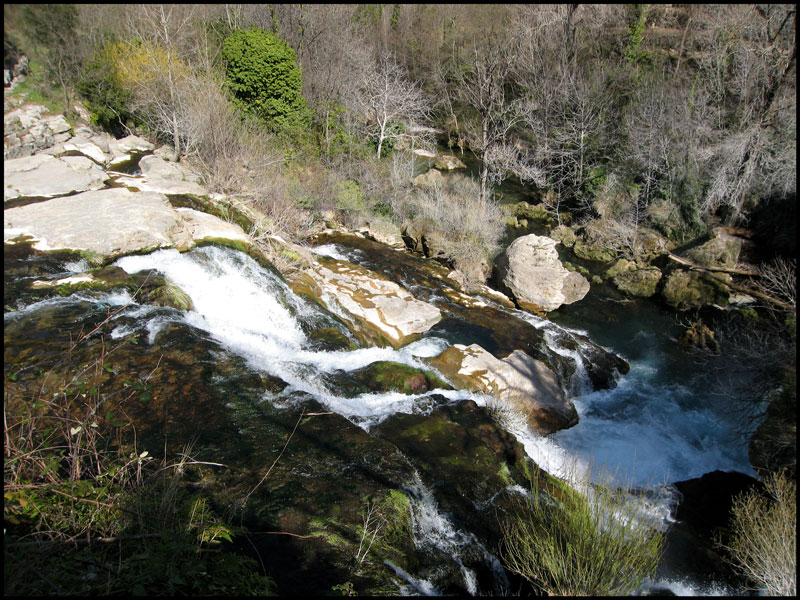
x=170, y=295
x=464, y=455
x=591, y=251
x=634, y=279
x=385, y=376
x=685, y=290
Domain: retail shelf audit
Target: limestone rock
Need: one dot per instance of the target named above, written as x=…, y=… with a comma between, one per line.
x=563, y=234
x=685, y=290
x=530, y=272
x=720, y=250
x=633, y=278
x=431, y=178
x=43, y=176
x=170, y=179
x=381, y=305
x=205, y=227
x=109, y=222
x=448, y=162
x=124, y=149
x=524, y=383
x=86, y=148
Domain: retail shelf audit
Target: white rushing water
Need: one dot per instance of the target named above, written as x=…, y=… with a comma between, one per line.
x=644, y=431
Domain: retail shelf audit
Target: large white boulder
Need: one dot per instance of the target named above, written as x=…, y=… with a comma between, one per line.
x=373, y=302
x=530, y=272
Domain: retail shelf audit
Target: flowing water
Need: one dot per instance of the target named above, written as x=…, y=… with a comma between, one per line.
x=652, y=428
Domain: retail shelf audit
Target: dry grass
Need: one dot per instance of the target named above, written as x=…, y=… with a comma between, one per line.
x=764, y=536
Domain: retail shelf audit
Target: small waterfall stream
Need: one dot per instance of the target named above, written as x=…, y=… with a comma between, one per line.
x=651, y=428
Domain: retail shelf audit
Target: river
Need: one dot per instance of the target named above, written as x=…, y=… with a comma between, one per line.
x=652, y=428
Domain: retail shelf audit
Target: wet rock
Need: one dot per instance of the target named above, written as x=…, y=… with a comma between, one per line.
x=384, y=376
x=470, y=464
x=393, y=315
x=703, y=513
x=530, y=272
x=522, y=382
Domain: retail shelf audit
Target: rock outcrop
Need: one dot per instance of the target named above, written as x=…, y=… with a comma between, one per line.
x=634, y=278
x=525, y=384
x=448, y=162
x=42, y=176
x=530, y=272
x=389, y=312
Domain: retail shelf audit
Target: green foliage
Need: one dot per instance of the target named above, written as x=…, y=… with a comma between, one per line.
x=393, y=132
x=264, y=77
x=634, y=53
x=105, y=97
x=349, y=197
x=566, y=544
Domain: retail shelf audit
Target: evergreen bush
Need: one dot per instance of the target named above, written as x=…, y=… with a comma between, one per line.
x=264, y=77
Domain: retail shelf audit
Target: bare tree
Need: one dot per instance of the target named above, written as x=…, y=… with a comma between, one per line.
x=480, y=79
x=161, y=82
x=389, y=97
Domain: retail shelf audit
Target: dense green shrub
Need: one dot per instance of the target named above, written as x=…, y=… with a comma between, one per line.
x=568, y=544
x=264, y=77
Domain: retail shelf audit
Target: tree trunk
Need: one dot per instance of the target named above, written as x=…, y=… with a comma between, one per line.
x=484, y=164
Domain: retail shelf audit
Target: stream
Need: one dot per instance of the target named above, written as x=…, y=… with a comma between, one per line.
x=652, y=428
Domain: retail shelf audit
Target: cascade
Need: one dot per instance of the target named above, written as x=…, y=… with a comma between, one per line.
x=654, y=430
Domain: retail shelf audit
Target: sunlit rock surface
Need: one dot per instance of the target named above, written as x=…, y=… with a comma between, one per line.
x=526, y=384
x=43, y=176
x=530, y=272
x=375, y=302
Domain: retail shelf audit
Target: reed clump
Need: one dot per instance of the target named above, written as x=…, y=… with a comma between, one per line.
x=568, y=543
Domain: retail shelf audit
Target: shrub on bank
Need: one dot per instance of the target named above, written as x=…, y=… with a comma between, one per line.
x=567, y=544
x=764, y=535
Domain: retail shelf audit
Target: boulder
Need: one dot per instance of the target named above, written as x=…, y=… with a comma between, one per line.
x=170, y=179
x=431, y=178
x=86, y=148
x=425, y=153
x=685, y=290
x=527, y=385
x=390, y=313
x=122, y=150
x=530, y=272
x=720, y=249
x=563, y=234
x=634, y=279
x=448, y=162
x=203, y=227
x=43, y=176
